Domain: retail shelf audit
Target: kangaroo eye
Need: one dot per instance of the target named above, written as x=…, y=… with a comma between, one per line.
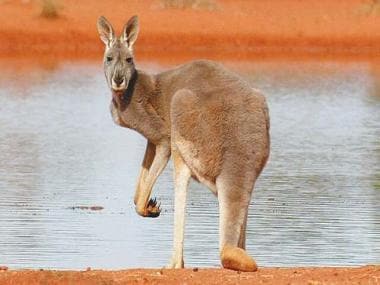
x=109, y=58
x=129, y=59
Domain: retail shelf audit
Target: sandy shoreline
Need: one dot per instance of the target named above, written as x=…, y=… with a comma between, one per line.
x=231, y=29
x=322, y=275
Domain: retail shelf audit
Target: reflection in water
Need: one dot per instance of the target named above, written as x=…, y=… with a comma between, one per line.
x=317, y=202
x=375, y=73
x=18, y=183
x=373, y=102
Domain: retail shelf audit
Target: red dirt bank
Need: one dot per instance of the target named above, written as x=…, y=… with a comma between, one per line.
x=278, y=276
x=234, y=28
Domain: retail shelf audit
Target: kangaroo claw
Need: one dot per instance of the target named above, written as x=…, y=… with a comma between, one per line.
x=153, y=210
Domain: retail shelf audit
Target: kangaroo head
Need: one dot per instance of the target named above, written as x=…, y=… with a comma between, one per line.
x=118, y=61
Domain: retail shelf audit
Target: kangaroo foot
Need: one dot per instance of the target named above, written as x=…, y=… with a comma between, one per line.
x=236, y=258
x=152, y=210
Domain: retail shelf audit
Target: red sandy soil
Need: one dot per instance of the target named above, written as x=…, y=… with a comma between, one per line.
x=232, y=29
x=278, y=276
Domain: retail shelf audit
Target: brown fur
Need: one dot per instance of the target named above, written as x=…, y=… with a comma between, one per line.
x=213, y=121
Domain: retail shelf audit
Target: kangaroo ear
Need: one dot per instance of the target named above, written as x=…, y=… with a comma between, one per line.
x=105, y=30
x=130, y=31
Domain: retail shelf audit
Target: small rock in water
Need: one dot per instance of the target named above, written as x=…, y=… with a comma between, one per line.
x=88, y=269
x=195, y=269
x=3, y=268
x=96, y=208
x=92, y=208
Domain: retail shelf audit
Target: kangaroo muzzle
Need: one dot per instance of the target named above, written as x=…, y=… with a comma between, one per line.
x=119, y=83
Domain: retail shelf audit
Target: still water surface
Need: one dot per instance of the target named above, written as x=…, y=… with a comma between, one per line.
x=316, y=203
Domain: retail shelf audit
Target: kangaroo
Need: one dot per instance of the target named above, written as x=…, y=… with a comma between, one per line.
x=212, y=124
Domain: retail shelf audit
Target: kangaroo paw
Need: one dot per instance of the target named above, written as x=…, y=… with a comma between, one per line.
x=153, y=209
x=236, y=258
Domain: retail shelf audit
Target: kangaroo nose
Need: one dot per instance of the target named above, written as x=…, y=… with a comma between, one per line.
x=118, y=80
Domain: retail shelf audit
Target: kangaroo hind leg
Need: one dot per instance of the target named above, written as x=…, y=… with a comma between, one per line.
x=242, y=237
x=234, y=200
x=182, y=176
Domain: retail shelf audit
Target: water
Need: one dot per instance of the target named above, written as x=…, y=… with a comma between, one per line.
x=316, y=203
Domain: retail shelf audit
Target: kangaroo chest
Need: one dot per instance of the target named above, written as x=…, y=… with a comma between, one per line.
x=141, y=119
